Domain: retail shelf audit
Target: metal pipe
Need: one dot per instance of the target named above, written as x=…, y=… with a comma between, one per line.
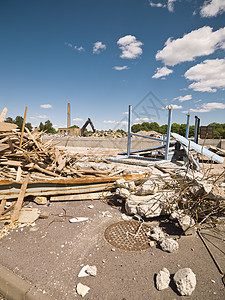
x=187, y=126
x=168, y=131
x=129, y=130
x=146, y=137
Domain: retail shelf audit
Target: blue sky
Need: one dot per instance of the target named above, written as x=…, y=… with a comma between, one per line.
x=103, y=55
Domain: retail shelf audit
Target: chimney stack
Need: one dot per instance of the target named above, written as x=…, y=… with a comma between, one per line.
x=68, y=116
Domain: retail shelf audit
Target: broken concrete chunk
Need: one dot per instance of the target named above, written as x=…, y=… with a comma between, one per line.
x=78, y=219
x=208, y=189
x=148, y=188
x=185, y=281
x=131, y=186
x=121, y=183
x=124, y=193
x=82, y=289
x=28, y=215
x=186, y=222
x=83, y=272
x=145, y=206
x=149, y=210
x=44, y=215
x=156, y=234
x=162, y=279
x=92, y=270
x=169, y=245
x=175, y=215
x=40, y=200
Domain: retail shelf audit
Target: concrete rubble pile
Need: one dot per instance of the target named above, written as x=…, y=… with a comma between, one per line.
x=185, y=198
x=109, y=133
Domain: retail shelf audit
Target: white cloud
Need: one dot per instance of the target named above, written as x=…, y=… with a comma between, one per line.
x=46, y=106
x=68, y=44
x=199, y=42
x=131, y=48
x=174, y=106
x=78, y=48
x=152, y=4
x=125, y=113
x=143, y=119
x=212, y=8
x=170, y=5
x=39, y=117
x=208, y=75
x=161, y=72
x=120, y=68
x=98, y=46
x=207, y=107
x=78, y=120
x=115, y=122
x=183, y=98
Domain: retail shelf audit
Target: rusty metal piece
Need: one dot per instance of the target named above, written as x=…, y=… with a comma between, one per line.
x=128, y=235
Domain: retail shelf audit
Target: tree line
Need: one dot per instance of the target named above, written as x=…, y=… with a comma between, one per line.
x=47, y=126
x=218, y=129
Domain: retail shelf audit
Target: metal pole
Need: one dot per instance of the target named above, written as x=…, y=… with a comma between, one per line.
x=129, y=130
x=168, y=132
x=187, y=126
x=197, y=123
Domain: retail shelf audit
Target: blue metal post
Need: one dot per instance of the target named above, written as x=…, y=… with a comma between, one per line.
x=129, y=130
x=187, y=126
x=168, y=131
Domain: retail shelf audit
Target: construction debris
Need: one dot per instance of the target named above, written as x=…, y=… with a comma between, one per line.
x=185, y=281
x=82, y=289
x=169, y=245
x=163, y=279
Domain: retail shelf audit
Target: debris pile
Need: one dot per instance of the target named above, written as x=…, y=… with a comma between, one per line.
x=109, y=133
x=189, y=198
x=184, y=280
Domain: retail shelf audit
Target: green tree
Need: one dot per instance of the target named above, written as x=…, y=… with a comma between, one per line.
x=41, y=126
x=163, y=129
x=135, y=128
x=175, y=128
x=9, y=120
x=48, y=127
x=182, y=129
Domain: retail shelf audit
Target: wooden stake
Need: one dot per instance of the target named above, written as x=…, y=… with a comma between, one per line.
x=2, y=206
x=2, y=116
x=19, y=201
x=24, y=121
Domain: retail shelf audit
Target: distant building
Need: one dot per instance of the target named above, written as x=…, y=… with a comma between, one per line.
x=70, y=131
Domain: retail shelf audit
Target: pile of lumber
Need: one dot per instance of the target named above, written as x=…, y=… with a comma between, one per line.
x=23, y=153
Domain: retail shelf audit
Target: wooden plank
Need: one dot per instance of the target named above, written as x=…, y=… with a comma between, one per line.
x=22, y=132
x=4, y=127
x=2, y=206
x=81, y=197
x=18, y=174
x=19, y=201
x=33, y=138
x=2, y=116
x=3, y=147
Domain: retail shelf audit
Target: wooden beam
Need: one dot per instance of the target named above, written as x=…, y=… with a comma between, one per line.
x=2, y=116
x=24, y=121
x=19, y=201
x=81, y=197
x=2, y=206
x=7, y=126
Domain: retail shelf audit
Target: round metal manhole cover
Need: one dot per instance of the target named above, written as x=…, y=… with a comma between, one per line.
x=128, y=235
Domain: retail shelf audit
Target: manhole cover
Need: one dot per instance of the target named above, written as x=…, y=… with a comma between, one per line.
x=128, y=235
